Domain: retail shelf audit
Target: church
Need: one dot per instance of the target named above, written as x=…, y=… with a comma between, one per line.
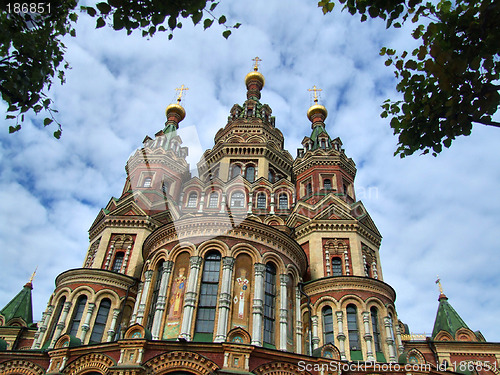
x=259, y=262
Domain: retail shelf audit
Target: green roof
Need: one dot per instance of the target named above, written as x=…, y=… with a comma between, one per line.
x=447, y=319
x=20, y=306
x=317, y=130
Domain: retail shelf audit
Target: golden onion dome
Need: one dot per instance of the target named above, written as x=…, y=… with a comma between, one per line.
x=255, y=75
x=176, y=108
x=316, y=108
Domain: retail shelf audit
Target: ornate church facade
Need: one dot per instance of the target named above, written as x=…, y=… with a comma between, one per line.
x=261, y=263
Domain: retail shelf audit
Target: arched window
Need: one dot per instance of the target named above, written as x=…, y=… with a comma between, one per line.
x=118, y=261
x=327, y=184
x=208, y=294
x=192, y=200
x=352, y=327
x=100, y=321
x=250, y=173
x=154, y=296
x=328, y=337
x=323, y=144
x=336, y=267
x=235, y=171
x=214, y=200
x=309, y=189
x=269, y=302
x=261, y=200
x=238, y=200
x=270, y=176
x=55, y=318
x=376, y=332
x=164, y=187
x=147, y=182
x=77, y=315
x=283, y=201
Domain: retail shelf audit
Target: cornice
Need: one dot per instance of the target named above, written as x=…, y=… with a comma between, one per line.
x=347, y=283
x=144, y=222
x=94, y=276
x=309, y=161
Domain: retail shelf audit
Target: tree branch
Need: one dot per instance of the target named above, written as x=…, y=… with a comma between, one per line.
x=486, y=122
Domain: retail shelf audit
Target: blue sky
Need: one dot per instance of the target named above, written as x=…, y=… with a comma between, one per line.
x=437, y=215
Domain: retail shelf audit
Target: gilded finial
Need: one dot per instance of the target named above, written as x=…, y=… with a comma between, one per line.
x=315, y=90
x=256, y=61
x=33, y=275
x=181, y=92
x=438, y=281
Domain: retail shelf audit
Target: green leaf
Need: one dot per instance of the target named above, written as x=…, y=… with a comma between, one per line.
x=226, y=34
x=73, y=17
x=172, y=22
x=10, y=117
x=104, y=8
x=57, y=134
x=13, y=129
x=90, y=11
x=47, y=121
x=237, y=25
x=222, y=19
x=207, y=23
x=212, y=7
x=197, y=17
x=100, y=23
x=388, y=62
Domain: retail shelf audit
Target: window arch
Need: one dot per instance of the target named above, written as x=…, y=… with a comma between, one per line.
x=118, y=261
x=327, y=184
x=55, y=317
x=336, y=266
x=208, y=294
x=323, y=143
x=269, y=303
x=238, y=199
x=192, y=199
x=352, y=327
x=213, y=201
x=283, y=201
x=235, y=171
x=100, y=321
x=261, y=200
x=154, y=296
x=375, y=329
x=328, y=337
x=77, y=315
x=250, y=173
x=147, y=182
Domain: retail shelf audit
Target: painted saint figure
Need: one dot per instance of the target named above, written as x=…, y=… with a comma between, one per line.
x=177, y=297
x=243, y=285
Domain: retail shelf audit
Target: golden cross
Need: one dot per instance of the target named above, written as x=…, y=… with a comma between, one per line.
x=181, y=91
x=256, y=65
x=438, y=281
x=33, y=276
x=315, y=93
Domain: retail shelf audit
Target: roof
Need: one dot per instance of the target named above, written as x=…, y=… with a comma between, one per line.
x=20, y=306
x=447, y=319
x=319, y=130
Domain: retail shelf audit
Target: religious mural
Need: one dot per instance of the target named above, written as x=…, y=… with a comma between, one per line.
x=241, y=291
x=176, y=297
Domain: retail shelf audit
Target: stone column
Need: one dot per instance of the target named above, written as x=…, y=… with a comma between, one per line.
x=125, y=259
x=190, y=297
x=341, y=335
x=202, y=202
x=43, y=327
x=368, y=337
x=390, y=339
x=144, y=296
x=112, y=327
x=86, y=323
x=250, y=203
x=315, y=336
x=258, y=304
x=223, y=203
x=61, y=324
x=283, y=311
x=401, y=348
x=108, y=258
x=224, y=298
x=161, y=301
x=298, y=321
x=137, y=303
x=271, y=205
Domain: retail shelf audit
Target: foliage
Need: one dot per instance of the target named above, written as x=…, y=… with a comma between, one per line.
x=32, y=54
x=450, y=81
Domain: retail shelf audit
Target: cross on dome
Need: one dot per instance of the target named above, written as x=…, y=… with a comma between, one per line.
x=256, y=65
x=181, y=92
x=315, y=90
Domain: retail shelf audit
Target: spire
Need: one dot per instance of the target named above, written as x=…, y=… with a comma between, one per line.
x=20, y=306
x=447, y=319
x=317, y=114
x=254, y=81
x=175, y=112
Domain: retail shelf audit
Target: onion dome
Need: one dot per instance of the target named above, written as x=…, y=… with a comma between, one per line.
x=175, y=112
x=254, y=81
x=316, y=113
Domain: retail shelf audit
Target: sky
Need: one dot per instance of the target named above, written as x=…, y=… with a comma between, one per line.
x=437, y=215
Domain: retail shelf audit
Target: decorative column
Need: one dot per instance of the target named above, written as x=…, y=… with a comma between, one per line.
x=368, y=337
x=202, y=203
x=86, y=323
x=43, y=327
x=258, y=304
x=125, y=259
x=161, y=301
x=341, y=335
x=224, y=298
x=283, y=311
x=401, y=348
x=250, y=203
x=374, y=270
x=144, y=296
x=190, y=297
x=108, y=258
x=315, y=336
x=346, y=262
x=298, y=321
x=390, y=339
x=60, y=325
x=112, y=328
x=271, y=205
x=137, y=303
x=223, y=203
